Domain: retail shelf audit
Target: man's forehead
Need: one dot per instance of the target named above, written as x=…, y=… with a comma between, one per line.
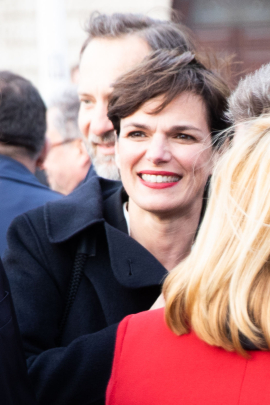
x=104, y=60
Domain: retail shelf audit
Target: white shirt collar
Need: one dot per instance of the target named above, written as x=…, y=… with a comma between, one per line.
x=126, y=215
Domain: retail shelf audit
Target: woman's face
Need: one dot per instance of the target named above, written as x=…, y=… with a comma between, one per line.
x=165, y=158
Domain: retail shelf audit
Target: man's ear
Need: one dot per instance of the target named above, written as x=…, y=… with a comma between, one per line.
x=116, y=148
x=43, y=154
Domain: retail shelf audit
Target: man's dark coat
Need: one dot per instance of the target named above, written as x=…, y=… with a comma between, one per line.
x=15, y=388
x=120, y=277
x=20, y=191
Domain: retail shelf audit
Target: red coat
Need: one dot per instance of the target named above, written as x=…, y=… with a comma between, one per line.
x=153, y=366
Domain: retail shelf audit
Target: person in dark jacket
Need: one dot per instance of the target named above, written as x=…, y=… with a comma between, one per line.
x=15, y=386
x=211, y=343
x=120, y=242
x=22, y=150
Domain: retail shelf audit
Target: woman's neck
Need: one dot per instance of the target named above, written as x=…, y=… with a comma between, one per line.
x=169, y=239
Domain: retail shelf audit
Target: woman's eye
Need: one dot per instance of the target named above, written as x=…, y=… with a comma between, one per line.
x=185, y=137
x=136, y=134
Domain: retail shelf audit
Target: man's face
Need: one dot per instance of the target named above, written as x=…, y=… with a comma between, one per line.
x=103, y=61
x=67, y=163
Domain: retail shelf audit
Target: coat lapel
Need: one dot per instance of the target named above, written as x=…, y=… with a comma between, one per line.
x=72, y=214
x=133, y=266
x=113, y=210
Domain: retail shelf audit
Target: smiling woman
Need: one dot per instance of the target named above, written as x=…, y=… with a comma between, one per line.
x=168, y=114
x=170, y=157
x=102, y=252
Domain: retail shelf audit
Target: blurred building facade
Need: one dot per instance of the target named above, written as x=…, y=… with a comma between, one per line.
x=27, y=27
x=20, y=34
x=239, y=27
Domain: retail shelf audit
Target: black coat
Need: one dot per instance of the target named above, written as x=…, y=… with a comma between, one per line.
x=120, y=277
x=15, y=387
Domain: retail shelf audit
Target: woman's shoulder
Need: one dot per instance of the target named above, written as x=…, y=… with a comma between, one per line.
x=149, y=321
x=140, y=329
x=154, y=365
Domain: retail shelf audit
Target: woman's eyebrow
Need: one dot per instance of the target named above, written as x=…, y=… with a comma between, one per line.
x=179, y=128
x=174, y=128
x=136, y=125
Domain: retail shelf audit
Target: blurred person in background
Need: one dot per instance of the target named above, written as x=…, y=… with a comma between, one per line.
x=212, y=343
x=67, y=162
x=250, y=99
x=115, y=44
x=168, y=112
x=22, y=150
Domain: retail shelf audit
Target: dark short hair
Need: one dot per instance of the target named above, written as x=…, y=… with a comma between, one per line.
x=158, y=34
x=22, y=114
x=168, y=73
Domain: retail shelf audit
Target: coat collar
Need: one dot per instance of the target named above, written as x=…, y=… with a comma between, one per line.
x=11, y=169
x=97, y=201
x=113, y=210
x=84, y=207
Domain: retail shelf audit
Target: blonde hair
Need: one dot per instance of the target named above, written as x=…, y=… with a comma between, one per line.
x=222, y=290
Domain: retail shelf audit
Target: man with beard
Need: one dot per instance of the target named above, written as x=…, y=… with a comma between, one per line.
x=67, y=320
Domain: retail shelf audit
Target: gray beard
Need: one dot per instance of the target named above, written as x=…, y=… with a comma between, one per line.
x=105, y=166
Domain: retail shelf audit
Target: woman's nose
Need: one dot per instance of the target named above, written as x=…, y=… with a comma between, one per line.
x=158, y=150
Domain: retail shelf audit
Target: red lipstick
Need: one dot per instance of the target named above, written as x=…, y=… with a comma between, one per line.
x=159, y=172
x=157, y=185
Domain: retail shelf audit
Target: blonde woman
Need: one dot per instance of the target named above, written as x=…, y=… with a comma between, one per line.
x=213, y=346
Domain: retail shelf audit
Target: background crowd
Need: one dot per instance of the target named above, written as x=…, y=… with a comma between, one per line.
x=153, y=166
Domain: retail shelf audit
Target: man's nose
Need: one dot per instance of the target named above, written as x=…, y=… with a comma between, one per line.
x=159, y=149
x=100, y=123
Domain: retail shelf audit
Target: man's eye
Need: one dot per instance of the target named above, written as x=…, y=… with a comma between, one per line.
x=86, y=102
x=136, y=134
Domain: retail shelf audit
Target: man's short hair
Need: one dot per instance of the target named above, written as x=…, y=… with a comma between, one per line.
x=251, y=98
x=22, y=114
x=158, y=34
x=169, y=73
x=65, y=117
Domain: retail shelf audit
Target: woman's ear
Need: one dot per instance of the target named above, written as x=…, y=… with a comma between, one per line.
x=116, y=148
